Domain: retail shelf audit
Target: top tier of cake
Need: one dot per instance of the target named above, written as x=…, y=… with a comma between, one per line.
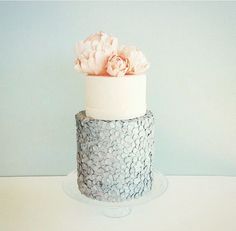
x=117, y=98
x=115, y=81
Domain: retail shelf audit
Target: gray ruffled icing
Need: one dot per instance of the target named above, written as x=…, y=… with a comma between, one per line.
x=114, y=158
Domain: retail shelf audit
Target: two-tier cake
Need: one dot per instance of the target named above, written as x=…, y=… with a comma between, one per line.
x=115, y=133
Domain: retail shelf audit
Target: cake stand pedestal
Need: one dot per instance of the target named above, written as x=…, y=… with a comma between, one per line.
x=115, y=209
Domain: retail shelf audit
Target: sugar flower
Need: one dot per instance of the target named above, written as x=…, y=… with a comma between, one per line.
x=93, y=53
x=117, y=65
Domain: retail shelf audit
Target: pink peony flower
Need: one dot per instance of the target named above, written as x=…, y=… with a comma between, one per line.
x=93, y=53
x=117, y=65
x=137, y=61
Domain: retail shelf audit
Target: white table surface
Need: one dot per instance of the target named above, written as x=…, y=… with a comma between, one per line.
x=190, y=203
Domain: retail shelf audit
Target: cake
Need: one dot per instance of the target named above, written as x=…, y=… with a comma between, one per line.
x=115, y=132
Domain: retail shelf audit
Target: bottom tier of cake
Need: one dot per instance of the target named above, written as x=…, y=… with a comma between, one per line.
x=114, y=158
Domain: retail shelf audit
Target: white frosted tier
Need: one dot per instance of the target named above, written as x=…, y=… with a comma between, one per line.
x=115, y=98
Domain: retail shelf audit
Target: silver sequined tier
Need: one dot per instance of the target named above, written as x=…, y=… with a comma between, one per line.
x=114, y=158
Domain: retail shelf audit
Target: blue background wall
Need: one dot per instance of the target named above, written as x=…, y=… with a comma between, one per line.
x=191, y=82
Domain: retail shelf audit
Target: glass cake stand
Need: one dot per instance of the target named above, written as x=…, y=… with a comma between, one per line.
x=115, y=209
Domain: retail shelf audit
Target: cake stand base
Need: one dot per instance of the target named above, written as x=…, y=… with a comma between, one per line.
x=116, y=212
x=115, y=209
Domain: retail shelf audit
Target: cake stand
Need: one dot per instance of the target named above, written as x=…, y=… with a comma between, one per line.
x=115, y=209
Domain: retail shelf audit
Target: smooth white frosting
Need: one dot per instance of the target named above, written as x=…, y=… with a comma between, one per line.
x=115, y=98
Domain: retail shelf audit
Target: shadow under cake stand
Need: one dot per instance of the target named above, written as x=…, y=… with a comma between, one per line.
x=115, y=209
